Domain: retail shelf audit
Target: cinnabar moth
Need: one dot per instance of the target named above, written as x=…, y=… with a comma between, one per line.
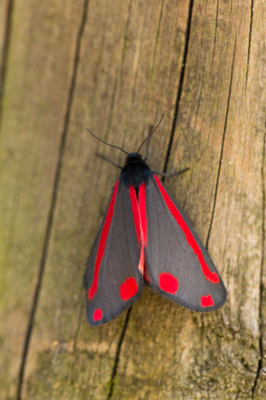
x=145, y=239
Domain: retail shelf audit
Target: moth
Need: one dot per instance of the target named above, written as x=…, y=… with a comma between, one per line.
x=145, y=239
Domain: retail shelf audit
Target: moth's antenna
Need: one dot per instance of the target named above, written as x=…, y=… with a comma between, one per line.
x=147, y=147
x=151, y=133
x=108, y=144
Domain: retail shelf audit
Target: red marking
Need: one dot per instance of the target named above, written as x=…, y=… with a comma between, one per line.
x=135, y=210
x=142, y=212
x=97, y=315
x=93, y=289
x=139, y=212
x=140, y=220
x=168, y=282
x=206, y=301
x=128, y=288
x=211, y=276
x=141, y=260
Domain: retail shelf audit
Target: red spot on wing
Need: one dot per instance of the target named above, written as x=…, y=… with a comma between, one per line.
x=97, y=315
x=211, y=276
x=168, y=282
x=128, y=288
x=93, y=289
x=206, y=301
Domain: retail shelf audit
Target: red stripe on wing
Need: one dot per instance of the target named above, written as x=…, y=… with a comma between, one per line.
x=142, y=212
x=143, y=219
x=140, y=220
x=211, y=276
x=135, y=211
x=139, y=212
x=93, y=289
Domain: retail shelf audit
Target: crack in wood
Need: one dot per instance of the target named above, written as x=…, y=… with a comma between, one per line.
x=263, y=176
x=50, y=218
x=249, y=40
x=180, y=85
x=222, y=147
x=5, y=51
x=117, y=355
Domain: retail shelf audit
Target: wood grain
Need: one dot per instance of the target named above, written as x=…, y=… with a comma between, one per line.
x=114, y=67
x=98, y=103
x=218, y=135
x=4, y=29
x=37, y=80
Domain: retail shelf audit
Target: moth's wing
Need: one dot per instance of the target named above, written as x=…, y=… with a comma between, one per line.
x=112, y=279
x=179, y=266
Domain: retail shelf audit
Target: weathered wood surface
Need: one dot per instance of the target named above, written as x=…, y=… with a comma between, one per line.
x=114, y=67
x=4, y=11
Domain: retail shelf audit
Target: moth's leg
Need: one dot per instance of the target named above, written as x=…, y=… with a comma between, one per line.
x=173, y=173
x=108, y=160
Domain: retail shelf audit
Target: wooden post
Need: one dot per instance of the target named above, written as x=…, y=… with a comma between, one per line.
x=114, y=67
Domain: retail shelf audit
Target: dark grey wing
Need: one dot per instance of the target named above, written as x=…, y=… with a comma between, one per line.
x=112, y=279
x=179, y=266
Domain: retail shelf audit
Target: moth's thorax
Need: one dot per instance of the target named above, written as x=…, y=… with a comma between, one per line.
x=135, y=171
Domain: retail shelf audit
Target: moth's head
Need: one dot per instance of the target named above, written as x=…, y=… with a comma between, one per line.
x=133, y=158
